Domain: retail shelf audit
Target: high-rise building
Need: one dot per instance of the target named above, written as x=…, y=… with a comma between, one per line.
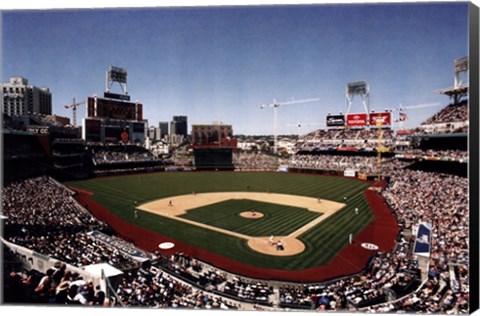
x=20, y=98
x=151, y=133
x=154, y=134
x=163, y=126
x=178, y=126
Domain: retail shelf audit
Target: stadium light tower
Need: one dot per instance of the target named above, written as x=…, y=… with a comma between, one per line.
x=461, y=71
x=460, y=87
x=360, y=88
x=275, y=105
x=116, y=74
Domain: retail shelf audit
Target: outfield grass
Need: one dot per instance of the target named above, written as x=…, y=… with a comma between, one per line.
x=323, y=242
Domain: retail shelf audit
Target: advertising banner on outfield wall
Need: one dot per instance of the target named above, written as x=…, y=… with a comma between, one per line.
x=362, y=176
x=349, y=173
x=383, y=117
x=359, y=119
x=335, y=120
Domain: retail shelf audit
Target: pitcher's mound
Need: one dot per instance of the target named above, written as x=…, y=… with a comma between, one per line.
x=250, y=214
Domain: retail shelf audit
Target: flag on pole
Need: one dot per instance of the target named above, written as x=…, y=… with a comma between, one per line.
x=403, y=116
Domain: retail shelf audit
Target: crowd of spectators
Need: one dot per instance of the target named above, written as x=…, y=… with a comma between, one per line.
x=448, y=128
x=39, y=204
x=256, y=161
x=358, y=139
x=120, y=154
x=256, y=291
x=212, y=279
x=41, y=214
x=450, y=154
x=362, y=164
x=152, y=287
x=451, y=113
x=196, y=272
x=415, y=196
x=58, y=286
x=367, y=165
x=395, y=273
x=449, y=120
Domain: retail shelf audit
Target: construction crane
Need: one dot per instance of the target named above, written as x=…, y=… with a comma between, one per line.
x=275, y=105
x=73, y=106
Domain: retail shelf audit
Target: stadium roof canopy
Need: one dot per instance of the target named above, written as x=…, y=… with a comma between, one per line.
x=454, y=91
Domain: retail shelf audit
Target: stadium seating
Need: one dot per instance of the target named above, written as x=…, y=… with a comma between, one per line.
x=41, y=215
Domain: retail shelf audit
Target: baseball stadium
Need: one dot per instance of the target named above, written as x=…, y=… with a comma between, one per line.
x=327, y=227
x=240, y=211
x=361, y=215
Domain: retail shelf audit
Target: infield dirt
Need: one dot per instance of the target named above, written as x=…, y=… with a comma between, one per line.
x=174, y=207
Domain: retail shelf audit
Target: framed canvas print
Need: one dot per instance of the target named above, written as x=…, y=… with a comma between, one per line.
x=317, y=157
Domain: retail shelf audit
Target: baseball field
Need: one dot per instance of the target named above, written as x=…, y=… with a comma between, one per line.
x=239, y=216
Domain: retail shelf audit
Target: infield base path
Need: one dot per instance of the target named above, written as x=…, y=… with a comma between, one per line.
x=173, y=207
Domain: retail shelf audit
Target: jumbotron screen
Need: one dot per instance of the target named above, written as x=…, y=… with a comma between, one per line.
x=115, y=109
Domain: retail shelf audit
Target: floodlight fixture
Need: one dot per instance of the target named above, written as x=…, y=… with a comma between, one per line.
x=461, y=64
x=116, y=74
x=461, y=70
x=357, y=88
x=360, y=88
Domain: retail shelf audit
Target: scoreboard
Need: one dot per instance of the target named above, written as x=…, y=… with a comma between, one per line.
x=114, y=109
x=113, y=120
x=213, y=158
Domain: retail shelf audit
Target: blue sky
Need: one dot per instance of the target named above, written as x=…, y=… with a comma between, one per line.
x=222, y=63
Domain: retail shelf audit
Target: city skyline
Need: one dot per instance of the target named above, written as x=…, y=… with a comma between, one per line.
x=221, y=63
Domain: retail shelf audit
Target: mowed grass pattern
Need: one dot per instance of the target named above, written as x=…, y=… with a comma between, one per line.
x=278, y=220
x=323, y=241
